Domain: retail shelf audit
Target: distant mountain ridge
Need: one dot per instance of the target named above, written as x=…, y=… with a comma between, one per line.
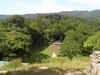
x=83, y=14
x=29, y=16
x=4, y=16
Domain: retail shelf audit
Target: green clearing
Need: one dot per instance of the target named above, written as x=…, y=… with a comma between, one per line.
x=44, y=49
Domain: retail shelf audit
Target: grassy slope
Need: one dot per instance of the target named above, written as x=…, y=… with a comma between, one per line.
x=61, y=62
x=56, y=65
x=45, y=49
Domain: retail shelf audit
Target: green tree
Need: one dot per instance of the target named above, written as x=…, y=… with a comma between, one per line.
x=16, y=20
x=92, y=43
x=71, y=45
x=54, y=33
x=70, y=48
x=85, y=29
x=15, y=39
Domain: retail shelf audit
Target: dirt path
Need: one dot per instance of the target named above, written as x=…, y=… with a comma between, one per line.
x=46, y=70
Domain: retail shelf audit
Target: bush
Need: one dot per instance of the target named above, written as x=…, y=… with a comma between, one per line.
x=13, y=64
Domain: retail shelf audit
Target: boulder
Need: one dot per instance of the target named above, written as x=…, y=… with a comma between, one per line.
x=94, y=64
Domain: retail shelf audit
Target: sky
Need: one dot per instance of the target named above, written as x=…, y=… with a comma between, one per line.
x=10, y=7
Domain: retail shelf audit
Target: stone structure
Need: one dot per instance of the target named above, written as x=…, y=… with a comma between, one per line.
x=54, y=47
x=94, y=64
x=54, y=55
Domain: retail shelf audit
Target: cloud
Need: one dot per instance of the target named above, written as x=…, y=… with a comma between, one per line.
x=49, y=1
x=48, y=6
x=86, y=1
x=91, y=2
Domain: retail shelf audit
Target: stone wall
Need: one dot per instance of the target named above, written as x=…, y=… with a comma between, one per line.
x=94, y=64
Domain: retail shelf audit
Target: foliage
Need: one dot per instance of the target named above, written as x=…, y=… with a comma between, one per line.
x=70, y=49
x=19, y=35
x=16, y=39
x=93, y=42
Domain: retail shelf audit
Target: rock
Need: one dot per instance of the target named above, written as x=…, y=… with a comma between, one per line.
x=94, y=64
x=43, y=68
x=3, y=72
x=54, y=55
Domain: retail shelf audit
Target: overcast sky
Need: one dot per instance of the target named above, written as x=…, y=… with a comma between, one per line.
x=46, y=6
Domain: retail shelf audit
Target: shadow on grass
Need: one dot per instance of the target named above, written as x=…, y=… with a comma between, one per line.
x=39, y=47
x=36, y=55
x=35, y=71
x=51, y=71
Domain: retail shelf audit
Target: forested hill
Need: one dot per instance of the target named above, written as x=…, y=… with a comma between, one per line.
x=29, y=16
x=4, y=16
x=19, y=35
x=83, y=14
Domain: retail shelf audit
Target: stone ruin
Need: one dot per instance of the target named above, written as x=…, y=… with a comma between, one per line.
x=54, y=47
x=94, y=64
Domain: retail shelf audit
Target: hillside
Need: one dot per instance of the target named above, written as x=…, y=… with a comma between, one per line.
x=83, y=14
x=54, y=66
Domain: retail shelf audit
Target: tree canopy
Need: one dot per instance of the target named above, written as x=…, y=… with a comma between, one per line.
x=18, y=35
x=93, y=42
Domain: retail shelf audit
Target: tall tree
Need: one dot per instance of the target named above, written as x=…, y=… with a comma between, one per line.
x=17, y=38
x=71, y=45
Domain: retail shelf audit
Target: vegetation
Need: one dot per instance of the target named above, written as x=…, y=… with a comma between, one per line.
x=18, y=36
x=55, y=65
x=92, y=42
x=30, y=40
x=61, y=62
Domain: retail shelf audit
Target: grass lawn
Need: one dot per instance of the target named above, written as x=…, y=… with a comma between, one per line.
x=65, y=63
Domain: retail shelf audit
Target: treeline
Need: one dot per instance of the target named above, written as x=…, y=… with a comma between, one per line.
x=18, y=35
